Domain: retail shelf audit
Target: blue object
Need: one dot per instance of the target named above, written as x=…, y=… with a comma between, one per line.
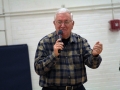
x=15, y=68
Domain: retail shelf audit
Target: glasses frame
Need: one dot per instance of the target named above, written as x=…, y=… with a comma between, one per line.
x=67, y=22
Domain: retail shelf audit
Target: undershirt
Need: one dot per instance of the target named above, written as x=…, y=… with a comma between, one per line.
x=65, y=41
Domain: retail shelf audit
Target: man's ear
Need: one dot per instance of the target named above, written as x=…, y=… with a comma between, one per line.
x=54, y=22
x=73, y=23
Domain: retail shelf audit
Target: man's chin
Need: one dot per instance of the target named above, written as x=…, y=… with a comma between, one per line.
x=65, y=36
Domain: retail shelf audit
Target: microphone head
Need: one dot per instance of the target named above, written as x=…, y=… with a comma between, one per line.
x=60, y=32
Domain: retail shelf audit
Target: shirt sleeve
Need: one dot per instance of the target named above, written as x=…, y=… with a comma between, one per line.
x=43, y=62
x=90, y=60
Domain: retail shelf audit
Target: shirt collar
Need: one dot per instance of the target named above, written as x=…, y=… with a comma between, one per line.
x=73, y=37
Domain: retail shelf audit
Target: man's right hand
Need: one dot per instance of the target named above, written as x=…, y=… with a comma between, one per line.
x=58, y=46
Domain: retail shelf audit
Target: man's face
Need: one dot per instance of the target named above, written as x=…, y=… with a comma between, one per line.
x=64, y=22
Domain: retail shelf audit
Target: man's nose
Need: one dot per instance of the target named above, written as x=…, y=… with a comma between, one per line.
x=62, y=24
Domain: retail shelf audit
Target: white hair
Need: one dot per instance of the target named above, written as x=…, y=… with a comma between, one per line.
x=63, y=10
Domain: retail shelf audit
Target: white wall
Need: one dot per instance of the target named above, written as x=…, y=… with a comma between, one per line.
x=2, y=32
x=50, y=4
x=1, y=7
x=2, y=26
x=26, y=22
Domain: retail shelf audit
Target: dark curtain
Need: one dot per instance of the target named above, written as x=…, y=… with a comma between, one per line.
x=15, y=68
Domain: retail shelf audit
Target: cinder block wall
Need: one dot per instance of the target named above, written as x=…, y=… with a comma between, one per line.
x=91, y=22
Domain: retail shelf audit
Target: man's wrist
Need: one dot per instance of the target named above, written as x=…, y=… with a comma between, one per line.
x=95, y=55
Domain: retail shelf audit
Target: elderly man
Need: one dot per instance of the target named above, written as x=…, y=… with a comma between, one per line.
x=65, y=70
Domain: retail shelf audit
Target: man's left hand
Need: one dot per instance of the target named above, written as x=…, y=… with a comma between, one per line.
x=97, y=49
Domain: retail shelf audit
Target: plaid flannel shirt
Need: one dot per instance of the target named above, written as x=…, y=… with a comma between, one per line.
x=69, y=67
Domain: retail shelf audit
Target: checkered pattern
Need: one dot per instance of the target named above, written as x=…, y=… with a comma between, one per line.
x=69, y=67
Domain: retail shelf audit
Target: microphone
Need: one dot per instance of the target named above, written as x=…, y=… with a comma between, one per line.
x=60, y=32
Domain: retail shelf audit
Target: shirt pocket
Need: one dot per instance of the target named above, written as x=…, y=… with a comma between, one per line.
x=77, y=61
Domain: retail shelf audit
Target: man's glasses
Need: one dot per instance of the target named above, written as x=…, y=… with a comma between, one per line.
x=65, y=22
